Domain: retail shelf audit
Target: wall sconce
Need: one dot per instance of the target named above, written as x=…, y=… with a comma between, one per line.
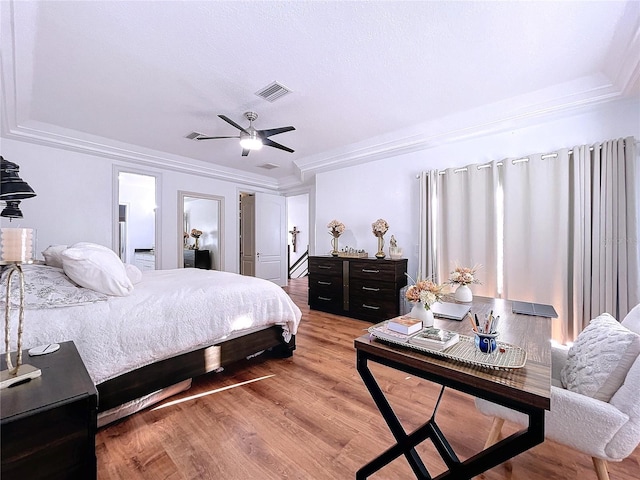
x=12, y=189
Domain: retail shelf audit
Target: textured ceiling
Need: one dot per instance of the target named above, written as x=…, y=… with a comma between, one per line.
x=132, y=78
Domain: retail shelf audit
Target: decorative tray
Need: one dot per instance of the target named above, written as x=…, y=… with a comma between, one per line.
x=506, y=356
x=353, y=254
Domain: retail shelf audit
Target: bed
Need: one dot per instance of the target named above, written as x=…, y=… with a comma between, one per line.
x=171, y=326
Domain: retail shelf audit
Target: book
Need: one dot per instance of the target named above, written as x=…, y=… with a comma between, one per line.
x=405, y=324
x=382, y=331
x=434, y=338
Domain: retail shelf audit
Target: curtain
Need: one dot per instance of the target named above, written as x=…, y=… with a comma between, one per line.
x=468, y=227
x=536, y=215
x=560, y=229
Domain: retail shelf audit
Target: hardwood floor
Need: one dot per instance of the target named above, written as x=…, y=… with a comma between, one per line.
x=310, y=417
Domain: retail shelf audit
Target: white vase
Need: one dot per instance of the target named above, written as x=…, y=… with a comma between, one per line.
x=421, y=313
x=463, y=294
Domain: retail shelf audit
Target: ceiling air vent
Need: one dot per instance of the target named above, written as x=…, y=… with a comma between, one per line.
x=273, y=92
x=268, y=166
x=194, y=135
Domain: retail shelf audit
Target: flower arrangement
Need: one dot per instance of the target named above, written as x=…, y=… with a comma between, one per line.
x=336, y=227
x=464, y=275
x=426, y=292
x=196, y=233
x=379, y=227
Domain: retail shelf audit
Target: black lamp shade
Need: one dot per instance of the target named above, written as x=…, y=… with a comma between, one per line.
x=12, y=187
x=12, y=210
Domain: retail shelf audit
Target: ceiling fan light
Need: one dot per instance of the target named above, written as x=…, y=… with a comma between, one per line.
x=251, y=143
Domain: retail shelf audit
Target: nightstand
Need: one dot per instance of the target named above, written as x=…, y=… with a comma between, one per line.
x=48, y=425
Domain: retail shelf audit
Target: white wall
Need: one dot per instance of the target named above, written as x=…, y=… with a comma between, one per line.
x=389, y=189
x=75, y=201
x=298, y=216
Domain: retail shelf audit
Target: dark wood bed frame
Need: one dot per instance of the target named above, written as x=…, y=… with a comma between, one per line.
x=156, y=376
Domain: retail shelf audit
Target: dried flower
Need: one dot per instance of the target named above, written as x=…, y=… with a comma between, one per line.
x=464, y=275
x=425, y=291
x=185, y=235
x=196, y=233
x=380, y=227
x=336, y=228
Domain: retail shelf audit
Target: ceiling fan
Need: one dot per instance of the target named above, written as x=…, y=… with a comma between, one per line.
x=251, y=138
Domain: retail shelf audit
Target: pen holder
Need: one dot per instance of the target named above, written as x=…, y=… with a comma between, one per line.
x=486, y=342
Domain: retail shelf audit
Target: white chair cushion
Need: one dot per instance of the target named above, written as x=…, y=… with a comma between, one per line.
x=96, y=267
x=600, y=358
x=632, y=320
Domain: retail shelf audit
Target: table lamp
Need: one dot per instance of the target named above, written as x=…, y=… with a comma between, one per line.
x=16, y=248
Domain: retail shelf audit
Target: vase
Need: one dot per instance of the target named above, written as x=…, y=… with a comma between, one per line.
x=334, y=246
x=380, y=253
x=421, y=313
x=197, y=245
x=463, y=294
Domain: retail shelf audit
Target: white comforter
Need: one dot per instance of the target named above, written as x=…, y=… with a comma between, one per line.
x=169, y=312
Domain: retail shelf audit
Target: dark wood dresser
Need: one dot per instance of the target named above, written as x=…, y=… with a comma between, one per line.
x=365, y=288
x=197, y=259
x=49, y=424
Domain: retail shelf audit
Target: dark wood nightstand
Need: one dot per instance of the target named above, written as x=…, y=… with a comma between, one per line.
x=48, y=425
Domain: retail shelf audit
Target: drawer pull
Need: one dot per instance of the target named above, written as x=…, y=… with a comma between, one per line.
x=369, y=289
x=324, y=298
x=323, y=283
x=370, y=307
x=325, y=267
x=370, y=271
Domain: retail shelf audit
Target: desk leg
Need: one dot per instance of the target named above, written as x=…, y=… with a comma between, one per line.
x=396, y=429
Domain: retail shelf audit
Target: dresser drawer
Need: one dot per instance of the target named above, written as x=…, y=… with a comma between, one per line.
x=377, y=271
x=375, y=307
x=326, y=266
x=326, y=299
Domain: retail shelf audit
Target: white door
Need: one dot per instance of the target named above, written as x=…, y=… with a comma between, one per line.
x=271, y=238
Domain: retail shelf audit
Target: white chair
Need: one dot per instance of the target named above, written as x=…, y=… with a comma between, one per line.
x=605, y=430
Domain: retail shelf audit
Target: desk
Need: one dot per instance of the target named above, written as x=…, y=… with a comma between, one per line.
x=527, y=390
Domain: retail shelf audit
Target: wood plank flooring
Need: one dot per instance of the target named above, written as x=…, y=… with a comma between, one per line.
x=310, y=417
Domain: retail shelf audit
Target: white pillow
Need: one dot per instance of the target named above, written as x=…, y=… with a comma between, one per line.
x=133, y=272
x=96, y=267
x=599, y=359
x=53, y=255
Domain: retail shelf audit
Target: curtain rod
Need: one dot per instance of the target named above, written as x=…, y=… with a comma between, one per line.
x=517, y=160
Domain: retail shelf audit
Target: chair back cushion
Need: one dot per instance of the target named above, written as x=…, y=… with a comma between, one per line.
x=599, y=359
x=632, y=320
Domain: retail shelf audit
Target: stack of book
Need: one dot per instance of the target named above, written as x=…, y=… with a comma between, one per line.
x=436, y=339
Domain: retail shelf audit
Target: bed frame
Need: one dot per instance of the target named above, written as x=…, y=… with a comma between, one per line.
x=156, y=376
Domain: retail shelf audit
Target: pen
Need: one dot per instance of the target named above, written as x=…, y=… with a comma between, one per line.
x=473, y=326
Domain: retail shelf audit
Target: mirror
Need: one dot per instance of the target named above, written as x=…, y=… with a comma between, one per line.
x=136, y=219
x=200, y=224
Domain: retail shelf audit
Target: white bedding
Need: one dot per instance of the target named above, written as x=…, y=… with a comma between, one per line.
x=168, y=312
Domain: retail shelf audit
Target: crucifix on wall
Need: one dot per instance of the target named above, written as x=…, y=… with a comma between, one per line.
x=294, y=235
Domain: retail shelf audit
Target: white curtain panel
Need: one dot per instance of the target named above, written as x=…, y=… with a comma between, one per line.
x=427, y=253
x=536, y=216
x=467, y=233
x=606, y=257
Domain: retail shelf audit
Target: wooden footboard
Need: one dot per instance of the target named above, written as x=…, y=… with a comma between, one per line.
x=151, y=378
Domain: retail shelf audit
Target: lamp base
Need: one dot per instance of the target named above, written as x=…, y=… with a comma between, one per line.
x=25, y=373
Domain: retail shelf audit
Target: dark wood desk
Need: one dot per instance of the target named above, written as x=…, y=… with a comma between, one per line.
x=527, y=390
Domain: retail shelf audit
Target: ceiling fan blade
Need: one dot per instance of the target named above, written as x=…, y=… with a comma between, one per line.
x=271, y=143
x=245, y=152
x=213, y=138
x=274, y=131
x=231, y=122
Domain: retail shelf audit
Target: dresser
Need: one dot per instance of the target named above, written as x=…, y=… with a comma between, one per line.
x=364, y=288
x=48, y=425
x=197, y=259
